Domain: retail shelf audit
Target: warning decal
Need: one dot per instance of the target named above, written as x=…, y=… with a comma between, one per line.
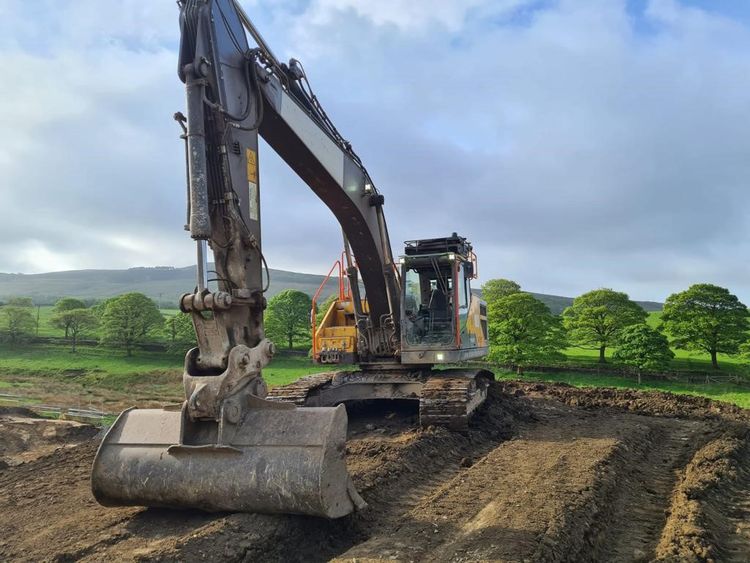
x=252, y=166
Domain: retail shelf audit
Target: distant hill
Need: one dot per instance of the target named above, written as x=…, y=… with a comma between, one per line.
x=557, y=303
x=166, y=284
x=163, y=284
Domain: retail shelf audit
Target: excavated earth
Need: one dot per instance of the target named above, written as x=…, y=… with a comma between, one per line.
x=25, y=437
x=546, y=473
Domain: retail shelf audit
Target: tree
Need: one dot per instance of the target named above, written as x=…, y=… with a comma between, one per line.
x=128, y=318
x=496, y=289
x=62, y=306
x=180, y=331
x=595, y=319
x=523, y=330
x=288, y=316
x=20, y=302
x=75, y=321
x=16, y=319
x=99, y=307
x=643, y=348
x=708, y=318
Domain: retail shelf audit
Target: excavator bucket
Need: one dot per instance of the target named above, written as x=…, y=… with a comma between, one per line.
x=274, y=460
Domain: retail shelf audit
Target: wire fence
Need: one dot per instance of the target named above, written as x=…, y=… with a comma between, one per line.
x=60, y=341
x=88, y=415
x=681, y=376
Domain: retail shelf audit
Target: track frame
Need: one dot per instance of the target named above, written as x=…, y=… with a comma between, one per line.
x=447, y=398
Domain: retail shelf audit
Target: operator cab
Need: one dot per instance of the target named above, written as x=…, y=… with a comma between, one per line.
x=441, y=321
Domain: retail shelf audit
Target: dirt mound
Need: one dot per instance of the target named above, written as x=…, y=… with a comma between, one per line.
x=709, y=517
x=546, y=473
x=652, y=403
x=27, y=436
x=18, y=411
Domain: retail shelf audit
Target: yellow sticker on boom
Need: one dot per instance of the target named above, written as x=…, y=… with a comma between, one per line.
x=252, y=166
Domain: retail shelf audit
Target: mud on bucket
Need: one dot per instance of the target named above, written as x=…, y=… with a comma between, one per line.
x=272, y=461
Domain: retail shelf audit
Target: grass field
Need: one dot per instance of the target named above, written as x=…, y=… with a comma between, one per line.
x=95, y=373
x=93, y=361
x=111, y=369
x=683, y=361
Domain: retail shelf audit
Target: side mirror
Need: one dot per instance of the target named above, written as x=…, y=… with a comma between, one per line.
x=468, y=270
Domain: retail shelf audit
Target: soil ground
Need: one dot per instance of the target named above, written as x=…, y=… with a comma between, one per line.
x=546, y=473
x=25, y=437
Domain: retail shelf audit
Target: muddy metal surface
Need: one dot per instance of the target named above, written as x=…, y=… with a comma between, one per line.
x=547, y=473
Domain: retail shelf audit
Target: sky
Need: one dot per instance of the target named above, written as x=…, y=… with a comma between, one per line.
x=577, y=143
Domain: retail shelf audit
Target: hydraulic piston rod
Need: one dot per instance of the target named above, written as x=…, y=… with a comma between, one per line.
x=200, y=222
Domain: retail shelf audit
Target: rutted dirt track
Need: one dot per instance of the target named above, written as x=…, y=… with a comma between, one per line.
x=547, y=473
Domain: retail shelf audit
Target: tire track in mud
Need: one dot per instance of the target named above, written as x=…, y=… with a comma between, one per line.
x=710, y=508
x=736, y=548
x=596, y=489
x=645, y=489
x=392, y=472
x=524, y=499
x=543, y=475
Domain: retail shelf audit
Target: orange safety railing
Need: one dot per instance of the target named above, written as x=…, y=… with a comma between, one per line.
x=474, y=265
x=344, y=295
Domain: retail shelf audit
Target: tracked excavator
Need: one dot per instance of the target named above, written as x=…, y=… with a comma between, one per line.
x=232, y=445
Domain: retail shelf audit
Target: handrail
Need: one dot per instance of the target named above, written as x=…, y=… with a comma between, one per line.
x=345, y=290
x=337, y=263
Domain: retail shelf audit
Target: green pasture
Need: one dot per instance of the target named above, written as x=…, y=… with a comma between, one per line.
x=98, y=365
x=45, y=325
x=684, y=360
x=92, y=361
x=29, y=366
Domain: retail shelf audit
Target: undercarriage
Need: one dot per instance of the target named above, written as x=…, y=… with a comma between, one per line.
x=447, y=397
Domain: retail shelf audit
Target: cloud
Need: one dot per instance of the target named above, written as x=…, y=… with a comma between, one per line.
x=573, y=141
x=577, y=144
x=409, y=15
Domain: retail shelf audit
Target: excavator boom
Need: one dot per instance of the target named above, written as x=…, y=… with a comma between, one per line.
x=227, y=447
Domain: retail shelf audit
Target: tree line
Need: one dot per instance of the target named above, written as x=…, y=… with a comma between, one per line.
x=123, y=321
x=522, y=329
x=128, y=320
x=704, y=317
